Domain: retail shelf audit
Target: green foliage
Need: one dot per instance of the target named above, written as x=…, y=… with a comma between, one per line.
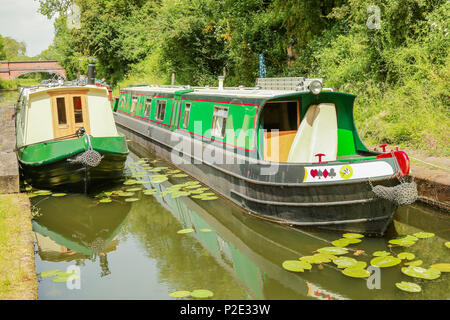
x=400, y=71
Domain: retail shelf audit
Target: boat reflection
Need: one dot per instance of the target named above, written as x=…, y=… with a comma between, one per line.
x=75, y=228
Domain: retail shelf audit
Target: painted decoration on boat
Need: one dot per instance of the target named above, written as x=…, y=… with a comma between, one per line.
x=347, y=172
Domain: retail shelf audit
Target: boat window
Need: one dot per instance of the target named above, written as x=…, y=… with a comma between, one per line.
x=148, y=105
x=78, y=109
x=219, y=122
x=133, y=104
x=61, y=108
x=281, y=115
x=187, y=112
x=161, y=109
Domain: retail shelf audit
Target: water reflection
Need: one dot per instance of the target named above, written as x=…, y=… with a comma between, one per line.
x=230, y=253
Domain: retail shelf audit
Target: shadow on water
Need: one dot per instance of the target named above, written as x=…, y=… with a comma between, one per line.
x=235, y=255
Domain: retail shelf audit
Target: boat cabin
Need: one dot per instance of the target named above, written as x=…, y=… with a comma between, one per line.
x=270, y=125
x=47, y=113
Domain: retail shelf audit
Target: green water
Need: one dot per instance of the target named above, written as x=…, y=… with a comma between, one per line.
x=131, y=250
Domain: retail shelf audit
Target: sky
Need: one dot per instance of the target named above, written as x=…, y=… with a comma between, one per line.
x=20, y=20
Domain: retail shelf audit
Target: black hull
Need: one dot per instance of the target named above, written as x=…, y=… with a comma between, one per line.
x=70, y=176
x=349, y=206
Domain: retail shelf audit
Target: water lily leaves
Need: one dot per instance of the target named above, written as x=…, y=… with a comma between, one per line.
x=59, y=194
x=173, y=171
x=180, y=175
x=309, y=259
x=106, y=200
x=333, y=250
x=205, y=230
x=296, y=265
x=385, y=261
x=419, y=272
x=442, y=267
x=188, y=230
x=352, y=235
x=130, y=182
x=402, y=242
x=408, y=286
x=32, y=195
x=125, y=194
x=381, y=253
x=360, y=264
x=65, y=278
x=158, y=179
x=42, y=191
x=414, y=263
x=49, y=273
x=406, y=255
x=180, y=294
x=323, y=258
x=209, y=198
x=149, y=192
x=340, y=242
x=344, y=262
x=447, y=244
x=423, y=235
x=356, y=272
x=202, y=293
x=131, y=199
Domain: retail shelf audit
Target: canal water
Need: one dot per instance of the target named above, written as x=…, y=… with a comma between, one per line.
x=143, y=240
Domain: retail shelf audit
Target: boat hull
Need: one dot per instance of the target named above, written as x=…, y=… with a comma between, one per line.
x=57, y=171
x=349, y=206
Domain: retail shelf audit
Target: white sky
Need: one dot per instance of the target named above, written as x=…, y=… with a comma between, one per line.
x=20, y=20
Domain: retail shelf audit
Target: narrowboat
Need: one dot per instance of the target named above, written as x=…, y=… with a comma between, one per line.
x=286, y=150
x=67, y=138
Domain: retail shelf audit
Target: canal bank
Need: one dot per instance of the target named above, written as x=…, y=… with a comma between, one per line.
x=17, y=268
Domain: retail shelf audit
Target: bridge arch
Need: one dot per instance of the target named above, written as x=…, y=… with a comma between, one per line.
x=10, y=70
x=61, y=74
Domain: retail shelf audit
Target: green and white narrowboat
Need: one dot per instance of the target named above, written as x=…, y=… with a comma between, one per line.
x=286, y=150
x=67, y=137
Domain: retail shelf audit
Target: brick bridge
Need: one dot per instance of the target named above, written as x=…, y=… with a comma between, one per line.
x=12, y=69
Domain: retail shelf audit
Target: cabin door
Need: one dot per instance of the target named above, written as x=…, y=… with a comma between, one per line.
x=176, y=110
x=69, y=112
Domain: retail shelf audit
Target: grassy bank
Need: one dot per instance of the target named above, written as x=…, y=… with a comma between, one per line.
x=14, y=84
x=17, y=270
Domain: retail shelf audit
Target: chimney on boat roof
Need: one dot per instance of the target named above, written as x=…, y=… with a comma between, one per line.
x=91, y=71
x=221, y=79
x=172, y=82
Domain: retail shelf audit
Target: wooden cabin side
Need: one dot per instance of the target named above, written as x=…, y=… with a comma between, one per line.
x=59, y=112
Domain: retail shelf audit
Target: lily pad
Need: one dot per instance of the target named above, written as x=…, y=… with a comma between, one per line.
x=130, y=182
x=158, y=179
x=131, y=199
x=180, y=294
x=201, y=293
x=49, y=273
x=356, y=272
x=209, y=198
x=134, y=189
x=419, y=272
x=447, y=244
x=423, y=235
x=381, y=253
x=333, y=250
x=442, y=267
x=406, y=255
x=360, y=264
x=205, y=230
x=180, y=175
x=402, y=242
x=352, y=235
x=385, y=261
x=414, y=263
x=408, y=286
x=296, y=265
x=323, y=257
x=149, y=192
x=59, y=194
x=66, y=278
x=106, y=200
x=309, y=259
x=344, y=262
x=353, y=240
x=341, y=242
x=188, y=230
